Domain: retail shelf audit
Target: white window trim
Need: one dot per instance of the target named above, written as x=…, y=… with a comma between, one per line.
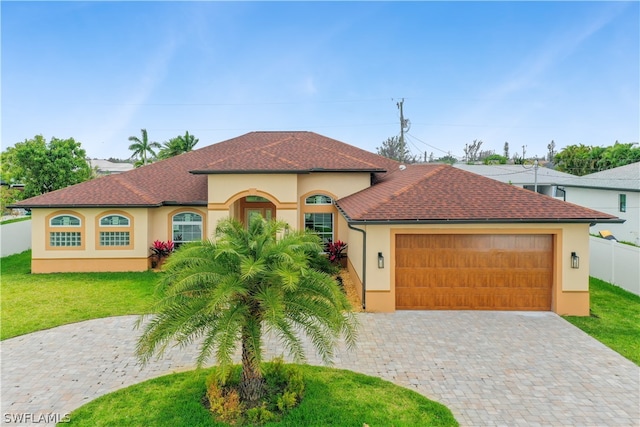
x=333, y=231
x=200, y=223
x=65, y=226
x=306, y=200
x=101, y=225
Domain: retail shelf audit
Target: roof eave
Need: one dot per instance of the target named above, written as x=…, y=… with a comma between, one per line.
x=107, y=205
x=594, y=187
x=486, y=221
x=281, y=171
x=81, y=205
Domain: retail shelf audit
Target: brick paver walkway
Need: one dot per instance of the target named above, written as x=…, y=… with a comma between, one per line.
x=489, y=368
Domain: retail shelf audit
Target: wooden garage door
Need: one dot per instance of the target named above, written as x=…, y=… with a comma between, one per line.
x=474, y=272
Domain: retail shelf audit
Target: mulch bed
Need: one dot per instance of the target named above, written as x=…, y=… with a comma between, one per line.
x=350, y=289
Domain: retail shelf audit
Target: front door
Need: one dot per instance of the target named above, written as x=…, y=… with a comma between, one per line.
x=256, y=205
x=266, y=213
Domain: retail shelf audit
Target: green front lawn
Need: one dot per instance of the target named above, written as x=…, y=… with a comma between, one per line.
x=332, y=398
x=614, y=320
x=32, y=302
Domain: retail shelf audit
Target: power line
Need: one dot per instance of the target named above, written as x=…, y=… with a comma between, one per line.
x=211, y=104
x=427, y=144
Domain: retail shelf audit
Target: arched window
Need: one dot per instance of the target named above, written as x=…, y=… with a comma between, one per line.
x=114, y=231
x=318, y=216
x=65, y=221
x=65, y=231
x=318, y=199
x=187, y=227
x=114, y=221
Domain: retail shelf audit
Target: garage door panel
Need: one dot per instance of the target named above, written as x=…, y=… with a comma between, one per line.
x=466, y=258
x=493, y=272
x=477, y=299
x=516, y=278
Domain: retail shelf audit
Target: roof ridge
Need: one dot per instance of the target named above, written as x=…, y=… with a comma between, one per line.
x=146, y=197
x=254, y=148
x=409, y=186
x=346, y=155
x=278, y=142
x=282, y=159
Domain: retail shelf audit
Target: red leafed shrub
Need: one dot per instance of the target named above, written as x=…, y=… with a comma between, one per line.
x=162, y=249
x=335, y=250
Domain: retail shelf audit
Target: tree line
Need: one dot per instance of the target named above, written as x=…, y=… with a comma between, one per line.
x=577, y=159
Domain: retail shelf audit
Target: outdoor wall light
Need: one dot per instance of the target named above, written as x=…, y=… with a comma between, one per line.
x=575, y=260
x=380, y=260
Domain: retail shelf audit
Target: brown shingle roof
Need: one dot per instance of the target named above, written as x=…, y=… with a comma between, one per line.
x=416, y=193
x=291, y=152
x=171, y=180
x=443, y=193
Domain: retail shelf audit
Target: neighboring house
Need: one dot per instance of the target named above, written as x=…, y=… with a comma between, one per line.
x=419, y=236
x=105, y=167
x=614, y=191
x=548, y=181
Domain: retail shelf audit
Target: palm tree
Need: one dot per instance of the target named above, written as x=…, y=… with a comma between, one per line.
x=141, y=147
x=178, y=145
x=240, y=284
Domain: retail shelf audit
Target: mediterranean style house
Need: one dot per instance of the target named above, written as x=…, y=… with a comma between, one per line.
x=419, y=236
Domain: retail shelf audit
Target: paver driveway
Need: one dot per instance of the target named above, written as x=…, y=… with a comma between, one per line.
x=489, y=368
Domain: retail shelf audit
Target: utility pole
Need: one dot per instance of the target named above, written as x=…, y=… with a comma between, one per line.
x=399, y=104
x=535, y=167
x=523, y=152
x=404, y=124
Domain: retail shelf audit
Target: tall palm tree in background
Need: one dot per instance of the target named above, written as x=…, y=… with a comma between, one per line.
x=141, y=147
x=241, y=284
x=178, y=145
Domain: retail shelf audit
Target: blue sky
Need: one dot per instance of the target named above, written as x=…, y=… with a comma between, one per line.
x=525, y=73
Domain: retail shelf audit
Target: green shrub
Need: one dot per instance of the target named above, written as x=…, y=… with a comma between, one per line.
x=260, y=415
x=224, y=402
x=287, y=401
x=285, y=388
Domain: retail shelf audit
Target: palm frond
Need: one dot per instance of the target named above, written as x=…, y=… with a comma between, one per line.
x=292, y=343
x=251, y=268
x=225, y=336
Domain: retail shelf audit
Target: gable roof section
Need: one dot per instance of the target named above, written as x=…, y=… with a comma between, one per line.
x=621, y=178
x=181, y=180
x=442, y=193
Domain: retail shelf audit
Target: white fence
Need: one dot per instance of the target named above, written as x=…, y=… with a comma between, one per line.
x=16, y=237
x=615, y=263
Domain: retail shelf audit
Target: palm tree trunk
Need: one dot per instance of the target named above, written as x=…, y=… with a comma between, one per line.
x=252, y=383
